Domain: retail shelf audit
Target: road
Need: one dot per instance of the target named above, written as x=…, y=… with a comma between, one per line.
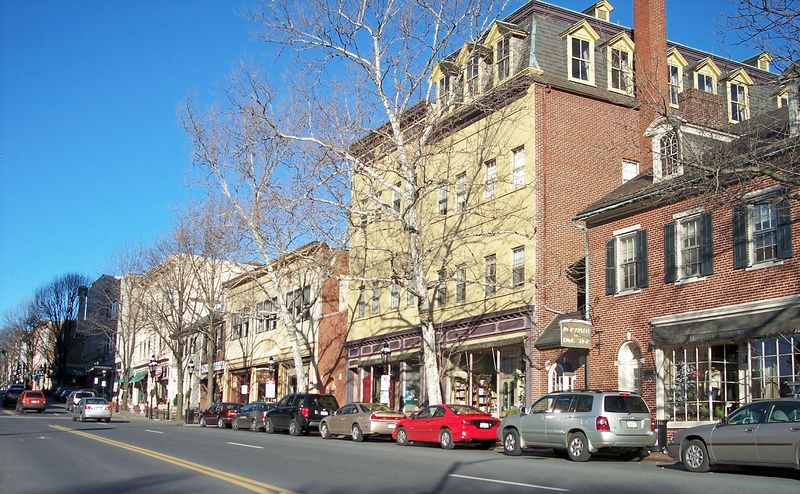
x=49, y=453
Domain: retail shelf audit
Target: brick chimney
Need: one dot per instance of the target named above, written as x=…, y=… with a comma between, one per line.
x=650, y=68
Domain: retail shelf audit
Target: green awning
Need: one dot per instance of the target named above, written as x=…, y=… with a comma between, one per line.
x=135, y=377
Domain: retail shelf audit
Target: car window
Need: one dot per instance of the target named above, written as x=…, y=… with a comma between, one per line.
x=561, y=404
x=347, y=409
x=284, y=401
x=230, y=406
x=625, y=404
x=748, y=414
x=34, y=394
x=95, y=401
x=325, y=401
x=426, y=413
x=247, y=408
x=785, y=412
x=295, y=400
x=463, y=409
x=583, y=403
x=376, y=407
x=543, y=405
x=83, y=394
x=438, y=412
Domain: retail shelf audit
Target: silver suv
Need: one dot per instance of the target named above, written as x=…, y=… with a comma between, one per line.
x=582, y=423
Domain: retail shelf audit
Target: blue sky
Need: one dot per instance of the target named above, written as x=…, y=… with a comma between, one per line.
x=92, y=155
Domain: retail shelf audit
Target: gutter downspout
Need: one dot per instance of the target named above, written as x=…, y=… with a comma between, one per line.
x=586, y=312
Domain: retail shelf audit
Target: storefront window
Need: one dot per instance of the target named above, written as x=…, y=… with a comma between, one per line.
x=776, y=366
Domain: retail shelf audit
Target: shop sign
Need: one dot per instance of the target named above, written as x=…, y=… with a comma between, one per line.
x=158, y=372
x=385, y=381
x=219, y=366
x=576, y=333
x=270, y=390
x=244, y=389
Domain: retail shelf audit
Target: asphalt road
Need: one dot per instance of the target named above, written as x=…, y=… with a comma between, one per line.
x=49, y=453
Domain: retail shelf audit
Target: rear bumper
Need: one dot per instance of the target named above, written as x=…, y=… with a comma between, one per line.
x=601, y=440
x=674, y=450
x=380, y=428
x=97, y=415
x=31, y=406
x=477, y=435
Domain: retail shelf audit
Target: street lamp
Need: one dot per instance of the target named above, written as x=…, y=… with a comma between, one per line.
x=385, y=352
x=152, y=364
x=189, y=394
x=271, y=370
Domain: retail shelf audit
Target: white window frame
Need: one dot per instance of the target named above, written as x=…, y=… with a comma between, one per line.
x=490, y=275
x=659, y=154
x=620, y=272
x=624, y=70
x=674, y=89
x=738, y=111
x=461, y=191
x=394, y=301
x=710, y=77
x=752, y=232
x=518, y=267
x=589, y=62
x=443, y=90
x=461, y=284
x=490, y=179
x=362, y=302
x=472, y=76
x=681, y=250
x=503, y=58
x=518, y=167
x=442, y=199
x=375, y=305
x=630, y=169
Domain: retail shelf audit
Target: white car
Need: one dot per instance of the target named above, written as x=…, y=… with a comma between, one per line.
x=75, y=397
x=92, y=408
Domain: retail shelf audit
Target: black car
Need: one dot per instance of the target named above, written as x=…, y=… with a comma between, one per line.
x=251, y=416
x=11, y=394
x=299, y=413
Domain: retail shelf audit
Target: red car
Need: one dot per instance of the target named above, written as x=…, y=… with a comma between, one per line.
x=447, y=425
x=219, y=414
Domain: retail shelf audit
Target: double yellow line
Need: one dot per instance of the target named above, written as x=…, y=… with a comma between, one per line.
x=249, y=484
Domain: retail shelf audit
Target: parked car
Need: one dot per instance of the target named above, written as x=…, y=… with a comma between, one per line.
x=448, y=425
x=582, y=423
x=251, y=416
x=219, y=414
x=360, y=420
x=91, y=407
x=12, y=393
x=75, y=397
x=763, y=433
x=31, y=400
x=299, y=413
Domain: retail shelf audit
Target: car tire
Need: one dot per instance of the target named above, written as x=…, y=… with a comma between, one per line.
x=108, y=420
x=446, y=439
x=324, y=431
x=74, y=418
x=202, y=422
x=235, y=424
x=268, y=426
x=254, y=425
x=578, y=447
x=294, y=428
x=358, y=434
x=83, y=419
x=511, y=446
x=220, y=424
x=402, y=437
x=695, y=456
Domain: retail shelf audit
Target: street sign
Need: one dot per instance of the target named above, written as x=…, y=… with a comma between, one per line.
x=576, y=333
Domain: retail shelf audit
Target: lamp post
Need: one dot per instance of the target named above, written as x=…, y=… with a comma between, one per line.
x=385, y=381
x=189, y=392
x=271, y=371
x=118, y=386
x=385, y=352
x=152, y=365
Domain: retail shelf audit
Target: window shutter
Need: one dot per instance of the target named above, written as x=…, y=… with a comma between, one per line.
x=641, y=259
x=611, y=267
x=670, y=267
x=784, y=213
x=706, y=245
x=739, y=236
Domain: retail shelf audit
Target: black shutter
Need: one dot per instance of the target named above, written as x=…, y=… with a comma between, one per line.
x=670, y=269
x=611, y=267
x=739, y=236
x=641, y=259
x=784, y=214
x=706, y=245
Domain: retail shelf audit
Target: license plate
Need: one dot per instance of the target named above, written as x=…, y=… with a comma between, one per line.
x=633, y=424
x=391, y=426
x=324, y=412
x=484, y=425
x=35, y=402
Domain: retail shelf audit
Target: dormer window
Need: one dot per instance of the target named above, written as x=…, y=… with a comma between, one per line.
x=503, y=39
x=620, y=55
x=580, y=52
x=706, y=75
x=705, y=83
x=502, y=55
x=443, y=90
x=600, y=10
x=675, y=64
x=471, y=73
x=738, y=102
x=782, y=99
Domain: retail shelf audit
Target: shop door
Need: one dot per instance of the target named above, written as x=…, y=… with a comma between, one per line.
x=366, y=387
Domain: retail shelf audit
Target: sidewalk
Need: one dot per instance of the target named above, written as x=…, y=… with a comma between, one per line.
x=132, y=416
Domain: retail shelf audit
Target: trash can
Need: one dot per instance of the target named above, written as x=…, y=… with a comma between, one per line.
x=189, y=416
x=661, y=436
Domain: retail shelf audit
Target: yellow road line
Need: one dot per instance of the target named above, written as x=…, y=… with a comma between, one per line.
x=249, y=484
x=9, y=412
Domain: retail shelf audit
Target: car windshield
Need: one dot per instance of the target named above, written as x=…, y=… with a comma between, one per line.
x=376, y=407
x=35, y=394
x=326, y=401
x=625, y=404
x=230, y=406
x=463, y=409
x=95, y=401
x=83, y=394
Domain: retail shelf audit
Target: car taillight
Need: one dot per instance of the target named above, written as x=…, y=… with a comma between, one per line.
x=304, y=412
x=108, y=408
x=231, y=413
x=601, y=424
x=375, y=416
x=652, y=424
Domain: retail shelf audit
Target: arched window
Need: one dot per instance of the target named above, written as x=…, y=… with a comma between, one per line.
x=560, y=377
x=668, y=146
x=628, y=374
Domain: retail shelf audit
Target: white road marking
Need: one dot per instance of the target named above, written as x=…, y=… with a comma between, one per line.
x=247, y=445
x=154, y=432
x=543, y=487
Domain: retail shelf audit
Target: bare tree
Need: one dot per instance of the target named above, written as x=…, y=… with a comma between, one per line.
x=24, y=324
x=768, y=25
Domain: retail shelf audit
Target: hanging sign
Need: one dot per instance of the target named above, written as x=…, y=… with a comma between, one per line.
x=385, y=381
x=576, y=333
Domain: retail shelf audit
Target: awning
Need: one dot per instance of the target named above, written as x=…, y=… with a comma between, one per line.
x=551, y=336
x=137, y=376
x=730, y=326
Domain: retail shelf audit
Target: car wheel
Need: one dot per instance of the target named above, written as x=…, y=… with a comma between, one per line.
x=446, y=439
x=220, y=424
x=511, y=446
x=402, y=437
x=358, y=434
x=203, y=422
x=108, y=420
x=268, y=426
x=83, y=419
x=74, y=418
x=695, y=456
x=254, y=425
x=324, y=432
x=294, y=429
x=577, y=448
x=235, y=424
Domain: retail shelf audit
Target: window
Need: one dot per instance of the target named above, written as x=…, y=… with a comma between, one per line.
x=621, y=70
x=490, y=281
x=298, y=303
x=362, y=302
x=396, y=199
x=628, y=375
x=411, y=299
x=669, y=155
x=376, y=299
x=443, y=88
x=441, y=290
x=503, y=57
x=394, y=301
x=267, y=316
x=490, y=179
x=518, y=167
x=364, y=214
x=738, y=102
x=471, y=76
x=518, y=267
x=580, y=59
x=675, y=85
x=461, y=284
x=782, y=99
x=626, y=261
x=461, y=191
x=378, y=206
x=688, y=250
x=240, y=326
x=443, y=198
x=705, y=83
x=629, y=170
x=761, y=233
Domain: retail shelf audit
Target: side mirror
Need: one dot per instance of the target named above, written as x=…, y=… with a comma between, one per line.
x=722, y=421
x=522, y=411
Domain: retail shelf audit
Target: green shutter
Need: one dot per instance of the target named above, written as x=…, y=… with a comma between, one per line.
x=706, y=245
x=670, y=266
x=611, y=267
x=784, y=214
x=739, y=236
x=641, y=259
